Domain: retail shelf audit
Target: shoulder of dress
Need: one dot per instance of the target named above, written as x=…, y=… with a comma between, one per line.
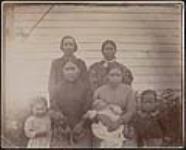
x=57, y=60
x=30, y=119
x=96, y=64
x=79, y=59
x=101, y=88
x=126, y=86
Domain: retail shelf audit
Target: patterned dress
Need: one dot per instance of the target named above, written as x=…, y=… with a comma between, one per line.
x=98, y=72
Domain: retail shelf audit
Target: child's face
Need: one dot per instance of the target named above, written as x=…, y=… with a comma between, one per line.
x=171, y=101
x=68, y=46
x=109, y=51
x=115, y=76
x=148, y=102
x=71, y=72
x=39, y=108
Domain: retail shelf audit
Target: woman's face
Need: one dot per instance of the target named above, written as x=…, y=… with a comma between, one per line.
x=109, y=51
x=68, y=46
x=115, y=76
x=71, y=72
x=148, y=102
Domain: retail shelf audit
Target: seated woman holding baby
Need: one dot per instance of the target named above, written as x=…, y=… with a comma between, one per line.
x=113, y=107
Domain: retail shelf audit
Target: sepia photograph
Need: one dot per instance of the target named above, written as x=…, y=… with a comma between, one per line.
x=92, y=74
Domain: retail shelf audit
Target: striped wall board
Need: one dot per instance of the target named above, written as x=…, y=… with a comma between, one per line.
x=148, y=41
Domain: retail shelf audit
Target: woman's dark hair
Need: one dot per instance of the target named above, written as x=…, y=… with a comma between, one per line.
x=69, y=37
x=114, y=65
x=108, y=42
x=127, y=76
x=149, y=92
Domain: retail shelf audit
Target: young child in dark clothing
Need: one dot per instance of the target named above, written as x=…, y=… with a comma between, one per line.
x=146, y=122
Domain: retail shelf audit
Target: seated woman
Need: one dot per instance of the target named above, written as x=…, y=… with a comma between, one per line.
x=117, y=93
x=69, y=103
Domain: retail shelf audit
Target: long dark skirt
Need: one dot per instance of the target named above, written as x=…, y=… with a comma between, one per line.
x=68, y=140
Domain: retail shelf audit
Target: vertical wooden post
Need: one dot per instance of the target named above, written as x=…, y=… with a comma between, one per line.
x=7, y=40
x=9, y=23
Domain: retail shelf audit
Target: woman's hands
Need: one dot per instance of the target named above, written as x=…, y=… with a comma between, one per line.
x=56, y=115
x=78, y=128
x=78, y=132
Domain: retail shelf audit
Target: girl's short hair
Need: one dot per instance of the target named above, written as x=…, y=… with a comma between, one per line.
x=69, y=37
x=39, y=99
x=148, y=92
x=108, y=42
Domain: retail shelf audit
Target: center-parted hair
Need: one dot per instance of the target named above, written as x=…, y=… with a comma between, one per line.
x=69, y=37
x=108, y=42
x=127, y=76
x=114, y=65
x=148, y=92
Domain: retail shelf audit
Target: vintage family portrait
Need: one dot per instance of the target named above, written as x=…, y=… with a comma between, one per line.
x=87, y=74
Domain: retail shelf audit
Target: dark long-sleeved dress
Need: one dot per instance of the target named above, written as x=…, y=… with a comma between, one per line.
x=56, y=75
x=72, y=99
x=148, y=127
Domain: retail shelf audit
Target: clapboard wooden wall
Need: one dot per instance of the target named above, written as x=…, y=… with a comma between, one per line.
x=148, y=39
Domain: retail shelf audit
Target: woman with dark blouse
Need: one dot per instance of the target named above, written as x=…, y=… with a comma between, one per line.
x=70, y=98
x=98, y=70
x=68, y=46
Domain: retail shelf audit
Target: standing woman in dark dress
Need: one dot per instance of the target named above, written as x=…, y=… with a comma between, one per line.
x=70, y=98
x=68, y=46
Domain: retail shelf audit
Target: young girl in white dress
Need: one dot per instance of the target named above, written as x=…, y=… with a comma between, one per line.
x=38, y=126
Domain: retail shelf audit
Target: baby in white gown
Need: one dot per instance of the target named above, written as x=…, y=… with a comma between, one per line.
x=110, y=139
